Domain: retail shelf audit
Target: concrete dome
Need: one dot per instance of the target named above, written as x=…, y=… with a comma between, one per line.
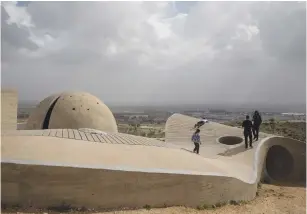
x=72, y=111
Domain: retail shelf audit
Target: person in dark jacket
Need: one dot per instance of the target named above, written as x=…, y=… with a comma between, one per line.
x=248, y=125
x=256, y=125
x=196, y=140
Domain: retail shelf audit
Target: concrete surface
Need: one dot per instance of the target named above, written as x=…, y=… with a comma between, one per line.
x=9, y=105
x=45, y=168
x=88, y=136
x=73, y=110
x=178, y=131
x=37, y=116
x=46, y=186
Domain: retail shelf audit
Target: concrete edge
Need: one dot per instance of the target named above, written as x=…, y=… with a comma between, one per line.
x=111, y=168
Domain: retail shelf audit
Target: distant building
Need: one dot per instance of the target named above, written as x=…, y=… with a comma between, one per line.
x=159, y=120
x=131, y=117
x=293, y=114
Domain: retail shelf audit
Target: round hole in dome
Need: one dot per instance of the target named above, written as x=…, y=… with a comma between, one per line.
x=279, y=163
x=230, y=140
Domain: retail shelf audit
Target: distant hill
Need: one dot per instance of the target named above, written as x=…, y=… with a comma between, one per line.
x=291, y=129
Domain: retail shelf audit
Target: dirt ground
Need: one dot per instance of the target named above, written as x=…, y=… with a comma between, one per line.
x=271, y=199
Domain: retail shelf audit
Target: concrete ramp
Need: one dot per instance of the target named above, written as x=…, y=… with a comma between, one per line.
x=178, y=131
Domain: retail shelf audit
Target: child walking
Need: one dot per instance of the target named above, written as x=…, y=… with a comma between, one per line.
x=196, y=141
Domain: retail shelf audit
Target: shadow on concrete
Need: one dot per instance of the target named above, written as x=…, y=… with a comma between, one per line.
x=187, y=150
x=234, y=151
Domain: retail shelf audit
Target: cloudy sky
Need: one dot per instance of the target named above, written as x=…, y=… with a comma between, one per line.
x=157, y=52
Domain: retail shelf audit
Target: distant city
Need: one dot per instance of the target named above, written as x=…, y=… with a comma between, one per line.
x=159, y=115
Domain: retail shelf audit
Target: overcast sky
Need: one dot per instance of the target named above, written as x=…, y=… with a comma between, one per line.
x=157, y=52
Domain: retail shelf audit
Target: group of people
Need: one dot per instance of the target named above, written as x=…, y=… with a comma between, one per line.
x=251, y=128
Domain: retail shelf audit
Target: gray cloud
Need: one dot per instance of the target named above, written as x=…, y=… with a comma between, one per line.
x=283, y=33
x=13, y=35
x=158, y=52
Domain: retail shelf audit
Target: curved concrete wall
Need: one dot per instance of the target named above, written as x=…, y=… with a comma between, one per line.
x=9, y=106
x=73, y=110
x=297, y=150
x=178, y=131
x=43, y=186
x=124, y=173
x=29, y=179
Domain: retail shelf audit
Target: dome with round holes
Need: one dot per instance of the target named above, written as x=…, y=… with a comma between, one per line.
x=72, y=110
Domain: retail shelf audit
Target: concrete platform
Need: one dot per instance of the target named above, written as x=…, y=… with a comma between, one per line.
x=46, y=168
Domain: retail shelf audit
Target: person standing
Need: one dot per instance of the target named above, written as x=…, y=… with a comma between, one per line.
x=248, y=125
x=196, y=141
x=256, y=125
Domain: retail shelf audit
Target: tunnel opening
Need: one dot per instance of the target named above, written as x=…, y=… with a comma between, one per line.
x=230, y=140
x=279, y=163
